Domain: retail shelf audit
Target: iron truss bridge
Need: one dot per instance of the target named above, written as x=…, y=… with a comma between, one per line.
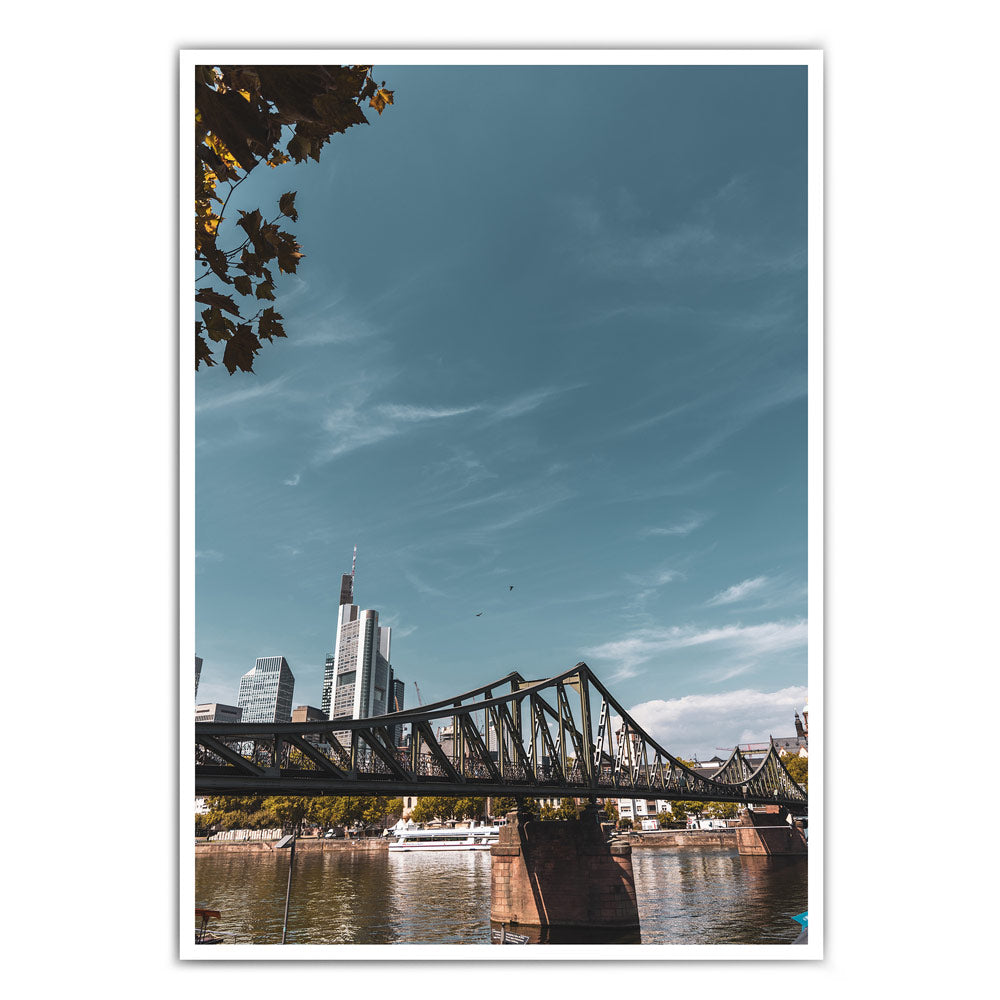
x=512, y=737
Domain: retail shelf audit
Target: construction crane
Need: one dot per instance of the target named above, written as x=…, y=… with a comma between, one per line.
x=419, y=696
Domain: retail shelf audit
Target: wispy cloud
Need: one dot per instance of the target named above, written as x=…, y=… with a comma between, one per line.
x=423, y=587
x=702, y=724
x=708, y=240
x=780, y=390
x=355, y=425
x=414, y=414
x=743, y=644
x=646, y=585
x=293, y=480
x=237, y=397
x=682, y=527
x=529, y=401
x=739, y=591
x=209, y=555
x=525, y=513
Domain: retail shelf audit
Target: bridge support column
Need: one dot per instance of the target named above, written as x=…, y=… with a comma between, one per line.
x=562, y=881
x=766, y=831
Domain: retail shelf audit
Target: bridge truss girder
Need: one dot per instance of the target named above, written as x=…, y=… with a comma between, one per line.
x=530, y=738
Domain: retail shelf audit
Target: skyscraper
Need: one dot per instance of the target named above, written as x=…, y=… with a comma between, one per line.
x=266, y=691
x=358, y=679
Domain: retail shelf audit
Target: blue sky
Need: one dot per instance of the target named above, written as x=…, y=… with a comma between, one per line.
x=550, y=332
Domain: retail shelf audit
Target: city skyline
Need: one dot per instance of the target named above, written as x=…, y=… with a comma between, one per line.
x=551, y=379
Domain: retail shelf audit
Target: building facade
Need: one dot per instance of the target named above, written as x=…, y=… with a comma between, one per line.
x=308, y=713
x=266, y=691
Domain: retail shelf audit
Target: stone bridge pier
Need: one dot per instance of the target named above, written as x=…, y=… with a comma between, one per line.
x=563, y=881
x=767, y=831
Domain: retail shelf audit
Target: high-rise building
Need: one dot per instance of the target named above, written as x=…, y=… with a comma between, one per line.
x=197, y=675
x=215, y=712
x=358, y=679
x=266, y=691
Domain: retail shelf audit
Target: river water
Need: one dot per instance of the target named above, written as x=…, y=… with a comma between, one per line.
x=686, y=895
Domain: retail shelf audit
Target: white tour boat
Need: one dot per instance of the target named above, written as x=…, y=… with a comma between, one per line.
x=415, y=838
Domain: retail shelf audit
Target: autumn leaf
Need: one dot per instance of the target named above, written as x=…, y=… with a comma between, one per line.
x=270, y=324
x=380, y=99
x=218, y=326
x=250, y=263
x=210, y=297
x=250, y=222
x=299, y=148
x=202, y=352
x=240, y=350
x=288, y=252
x=286, y=203
x=242, y=113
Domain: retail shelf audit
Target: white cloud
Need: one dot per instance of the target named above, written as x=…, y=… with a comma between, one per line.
x=294, y=480
x=739, y=591
x=209, y=555
x=704, y=723
x=742, y=645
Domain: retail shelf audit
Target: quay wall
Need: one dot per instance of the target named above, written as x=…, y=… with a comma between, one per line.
x=680, y=838
x=652, y=838
x=302, y=844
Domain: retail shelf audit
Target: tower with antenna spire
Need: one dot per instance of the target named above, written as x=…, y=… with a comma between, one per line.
x=358, y=680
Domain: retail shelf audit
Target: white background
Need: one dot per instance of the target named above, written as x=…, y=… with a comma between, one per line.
x=90, y=445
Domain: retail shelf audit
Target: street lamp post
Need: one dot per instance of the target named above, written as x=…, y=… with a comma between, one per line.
x=289, y=842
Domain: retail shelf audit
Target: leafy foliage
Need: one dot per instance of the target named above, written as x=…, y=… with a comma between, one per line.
x=721, y=810
x=430, y=807
x=798, y=768
x=567, y=809
x=236, y=812
x=242, y=116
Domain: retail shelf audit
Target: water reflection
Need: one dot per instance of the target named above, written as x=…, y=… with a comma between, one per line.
x=685, y=896
x=508, y=934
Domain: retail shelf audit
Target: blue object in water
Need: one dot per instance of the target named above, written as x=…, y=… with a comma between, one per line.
x=803, y=918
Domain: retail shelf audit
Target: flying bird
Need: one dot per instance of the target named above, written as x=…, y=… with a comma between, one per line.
x=511, y=588
x=478, y=613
